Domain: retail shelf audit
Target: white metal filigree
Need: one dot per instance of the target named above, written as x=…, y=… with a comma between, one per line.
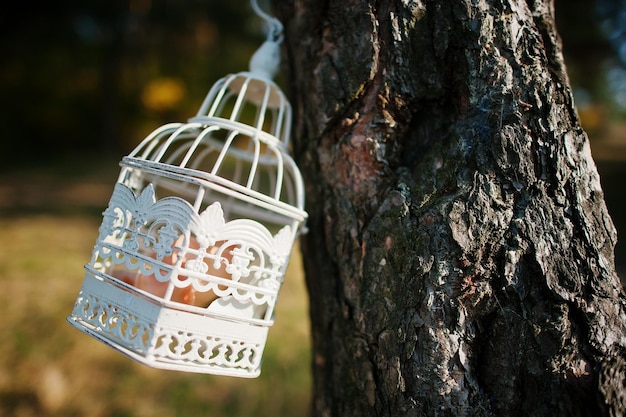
x=194, y=243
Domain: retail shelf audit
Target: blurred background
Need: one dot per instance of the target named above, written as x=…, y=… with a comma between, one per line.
x=82, y=82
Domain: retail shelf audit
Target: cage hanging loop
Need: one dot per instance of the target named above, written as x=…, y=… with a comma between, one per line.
x=275, y=32
x=265, y=61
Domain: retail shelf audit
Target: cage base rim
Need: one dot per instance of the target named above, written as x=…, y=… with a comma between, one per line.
x=161, y=364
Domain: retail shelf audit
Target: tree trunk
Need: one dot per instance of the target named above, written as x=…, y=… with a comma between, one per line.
x=460, y=254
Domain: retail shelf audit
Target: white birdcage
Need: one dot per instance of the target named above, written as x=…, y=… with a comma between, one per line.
x=194, y=244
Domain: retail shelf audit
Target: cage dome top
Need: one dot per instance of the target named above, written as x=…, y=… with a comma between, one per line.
x=238, y=141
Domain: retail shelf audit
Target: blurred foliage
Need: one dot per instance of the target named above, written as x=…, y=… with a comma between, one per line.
x=594, y=44
x=98, y=76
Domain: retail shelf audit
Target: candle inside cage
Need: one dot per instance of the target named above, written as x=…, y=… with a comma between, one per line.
x=199, y=295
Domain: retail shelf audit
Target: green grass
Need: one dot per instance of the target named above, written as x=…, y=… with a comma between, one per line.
x=47, y=368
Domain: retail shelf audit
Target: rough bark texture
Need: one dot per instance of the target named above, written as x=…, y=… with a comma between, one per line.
x=460, y=254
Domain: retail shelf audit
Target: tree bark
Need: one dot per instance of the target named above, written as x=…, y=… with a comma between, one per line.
x=460, y=255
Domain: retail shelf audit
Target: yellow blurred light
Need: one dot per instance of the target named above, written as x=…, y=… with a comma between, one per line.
x=163, y=94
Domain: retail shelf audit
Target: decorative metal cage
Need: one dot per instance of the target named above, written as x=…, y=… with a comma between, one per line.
x=194, y=244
